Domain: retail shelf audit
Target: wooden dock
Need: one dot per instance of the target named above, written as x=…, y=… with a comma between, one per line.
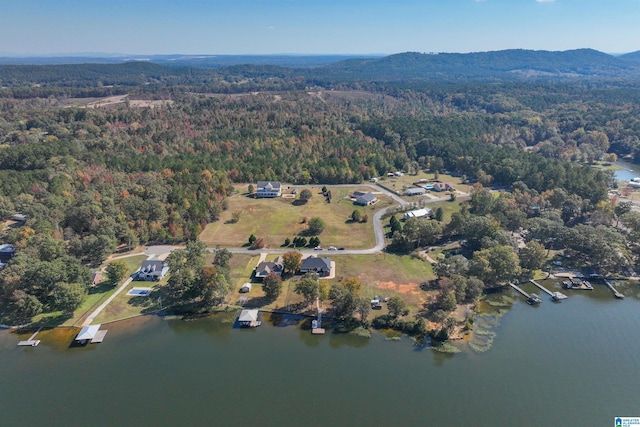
x=531, y=298
x=31, y=342
x=99, y=336
x=616, y=294
x=316, y=324
x=557, y=296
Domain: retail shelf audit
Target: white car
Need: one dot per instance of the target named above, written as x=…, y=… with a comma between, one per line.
x=333, y=248
x=317, y=248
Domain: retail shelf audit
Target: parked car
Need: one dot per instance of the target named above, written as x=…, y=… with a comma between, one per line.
x=317, y=248
x=333, y=248
x=341, y=249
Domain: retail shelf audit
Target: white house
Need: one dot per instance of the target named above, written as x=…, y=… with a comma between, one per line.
x=418, y=213
x=269, y=189
x=152, y=269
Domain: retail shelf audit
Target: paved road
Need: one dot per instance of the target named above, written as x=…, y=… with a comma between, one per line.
x=378, y=229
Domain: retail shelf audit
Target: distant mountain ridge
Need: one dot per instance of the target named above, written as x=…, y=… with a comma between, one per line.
x=511, y=64
x=195, y=61
x=578, y=63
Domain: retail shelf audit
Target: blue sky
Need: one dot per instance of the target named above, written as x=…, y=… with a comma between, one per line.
x=315, y=26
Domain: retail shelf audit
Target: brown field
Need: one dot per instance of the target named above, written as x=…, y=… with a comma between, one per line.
x=276, y=219
x=112, y=101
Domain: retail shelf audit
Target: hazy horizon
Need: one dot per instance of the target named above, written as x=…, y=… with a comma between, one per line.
x=346, y=27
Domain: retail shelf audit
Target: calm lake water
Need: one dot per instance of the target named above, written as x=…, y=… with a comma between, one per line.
x=628, y=171
x=575, y=363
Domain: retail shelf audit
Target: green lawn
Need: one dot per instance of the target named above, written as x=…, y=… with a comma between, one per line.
x=124, y=306
x=381, y=274
x=276, y=219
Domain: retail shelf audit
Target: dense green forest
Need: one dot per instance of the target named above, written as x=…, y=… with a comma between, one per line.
x=91, y=180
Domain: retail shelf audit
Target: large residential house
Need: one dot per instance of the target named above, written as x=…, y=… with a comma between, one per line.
x=266, y=267
x=442, y=186
x=152, y=269
x=366, y=199
x=320, y=266
x=269, y=189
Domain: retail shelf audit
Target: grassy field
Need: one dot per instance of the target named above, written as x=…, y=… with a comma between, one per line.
x=387, y=275
x=274, y=220
x=382, y=274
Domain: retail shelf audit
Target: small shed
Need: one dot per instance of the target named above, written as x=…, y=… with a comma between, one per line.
x=87, y=333
x=245, y=288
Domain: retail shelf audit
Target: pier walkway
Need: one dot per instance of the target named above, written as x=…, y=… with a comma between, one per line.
x=316, y=325
x=531, y=298
x=555, y=295
x=31, y=342
x=616, y=294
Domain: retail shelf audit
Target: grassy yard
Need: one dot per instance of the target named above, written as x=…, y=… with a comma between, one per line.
x=124, y=305
x=274, y=220
x=381, y=274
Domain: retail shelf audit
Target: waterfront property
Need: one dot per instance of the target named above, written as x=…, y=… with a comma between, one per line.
x=152, y=269
x=557, y=296
x=269, y=189
x=249, y=319
x=320, y=266
x=532, y=298
x=89, y=333
x=578, y=284
x=264, y=268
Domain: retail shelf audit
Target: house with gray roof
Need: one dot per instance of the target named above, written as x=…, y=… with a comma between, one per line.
x=269, y=189
x=320, y=266
x=264, y=268
x=7, y=251
x=366, y=199
x=152, y=269
x=418, y=191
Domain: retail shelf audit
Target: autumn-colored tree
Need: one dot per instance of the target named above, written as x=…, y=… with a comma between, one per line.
x=291, y=261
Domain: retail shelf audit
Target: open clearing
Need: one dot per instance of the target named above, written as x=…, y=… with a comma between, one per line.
x=401, y=183
x=385, y=275
x=274, y=220
x=113, y=100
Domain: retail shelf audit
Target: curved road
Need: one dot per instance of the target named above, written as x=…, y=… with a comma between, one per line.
x=378, y=229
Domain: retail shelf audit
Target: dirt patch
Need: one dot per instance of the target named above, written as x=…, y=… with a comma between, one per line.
x=409, y=288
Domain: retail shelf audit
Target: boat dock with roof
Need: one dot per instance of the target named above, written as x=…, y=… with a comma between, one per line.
x=531, y=298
